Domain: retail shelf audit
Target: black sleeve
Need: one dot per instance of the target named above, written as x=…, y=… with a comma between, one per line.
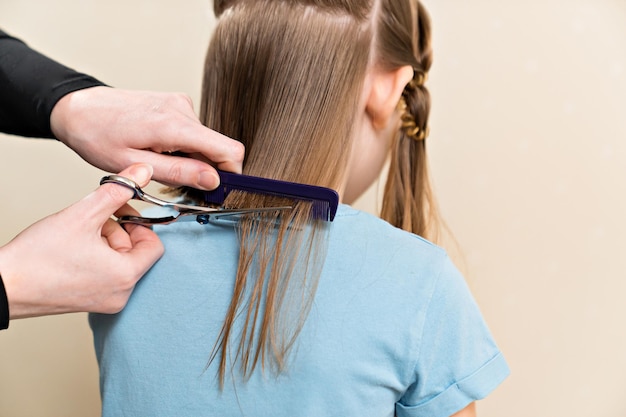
x=4, y=307
x=30, y=86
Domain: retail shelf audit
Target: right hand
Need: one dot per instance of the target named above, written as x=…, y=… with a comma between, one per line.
x=112, y=128
x=80, y=259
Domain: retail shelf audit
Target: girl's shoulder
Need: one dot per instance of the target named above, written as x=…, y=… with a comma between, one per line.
x=364, y=231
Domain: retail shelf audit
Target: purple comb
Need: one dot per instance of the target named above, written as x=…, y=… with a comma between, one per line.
x=325, y=200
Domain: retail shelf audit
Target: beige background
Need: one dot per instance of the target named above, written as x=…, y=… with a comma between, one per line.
x=528, y=151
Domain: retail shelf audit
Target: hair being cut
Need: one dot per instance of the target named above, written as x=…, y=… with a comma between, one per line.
x=285, y=78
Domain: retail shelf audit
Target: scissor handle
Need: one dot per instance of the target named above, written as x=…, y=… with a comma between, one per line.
x=143, y=196
x=126, y=182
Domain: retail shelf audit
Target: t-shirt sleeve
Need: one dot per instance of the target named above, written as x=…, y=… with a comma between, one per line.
x=30, y=86
x=458, y=361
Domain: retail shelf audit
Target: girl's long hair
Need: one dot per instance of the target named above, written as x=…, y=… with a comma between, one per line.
x=405, y=39
x=285, y=78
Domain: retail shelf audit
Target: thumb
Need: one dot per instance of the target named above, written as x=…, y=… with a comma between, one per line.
x=140, y=173
x=108, y=198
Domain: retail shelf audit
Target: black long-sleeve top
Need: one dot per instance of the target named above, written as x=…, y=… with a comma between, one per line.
x=30, y=86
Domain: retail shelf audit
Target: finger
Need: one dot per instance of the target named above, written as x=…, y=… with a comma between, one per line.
x=224, y=166
x=230, y=166
x=222, y=151
x=108, y=198
x=115, y=236
x=146, y=249
x=179, y=170
x=126, y=210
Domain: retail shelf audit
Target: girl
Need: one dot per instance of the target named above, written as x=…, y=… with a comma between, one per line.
x=283, y=315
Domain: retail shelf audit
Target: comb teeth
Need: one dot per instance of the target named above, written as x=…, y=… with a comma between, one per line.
x=321, y=210
x=325, y=200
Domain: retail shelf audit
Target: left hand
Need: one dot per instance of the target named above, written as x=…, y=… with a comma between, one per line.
x=112, y=129
x=79, y=259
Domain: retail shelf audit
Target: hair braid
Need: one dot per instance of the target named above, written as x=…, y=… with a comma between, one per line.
x=408, y=201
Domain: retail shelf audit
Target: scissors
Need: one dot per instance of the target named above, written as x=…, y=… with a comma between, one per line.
x=186, y=212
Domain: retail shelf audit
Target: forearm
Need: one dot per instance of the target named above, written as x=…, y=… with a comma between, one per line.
x=31, y=85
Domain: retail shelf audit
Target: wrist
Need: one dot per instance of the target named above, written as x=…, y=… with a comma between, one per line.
x=67, y=112
x=15, y=291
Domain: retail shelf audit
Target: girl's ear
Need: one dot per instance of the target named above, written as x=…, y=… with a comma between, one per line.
x=385, y=90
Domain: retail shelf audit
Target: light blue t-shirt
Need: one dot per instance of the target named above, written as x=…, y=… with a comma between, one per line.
x=393, y=329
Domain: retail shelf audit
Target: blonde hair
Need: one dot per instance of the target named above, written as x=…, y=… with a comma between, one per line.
x=285, y=78
x=405, y=39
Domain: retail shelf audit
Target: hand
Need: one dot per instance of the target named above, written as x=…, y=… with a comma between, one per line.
x=112, y=129
x=80, y=259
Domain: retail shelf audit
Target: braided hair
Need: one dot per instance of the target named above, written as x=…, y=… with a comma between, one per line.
x=405, y=39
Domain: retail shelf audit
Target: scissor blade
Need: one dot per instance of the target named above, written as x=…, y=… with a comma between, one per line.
x=236, y=212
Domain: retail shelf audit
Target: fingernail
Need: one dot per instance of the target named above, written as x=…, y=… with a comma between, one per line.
x=208, y=180
x=141, y=173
